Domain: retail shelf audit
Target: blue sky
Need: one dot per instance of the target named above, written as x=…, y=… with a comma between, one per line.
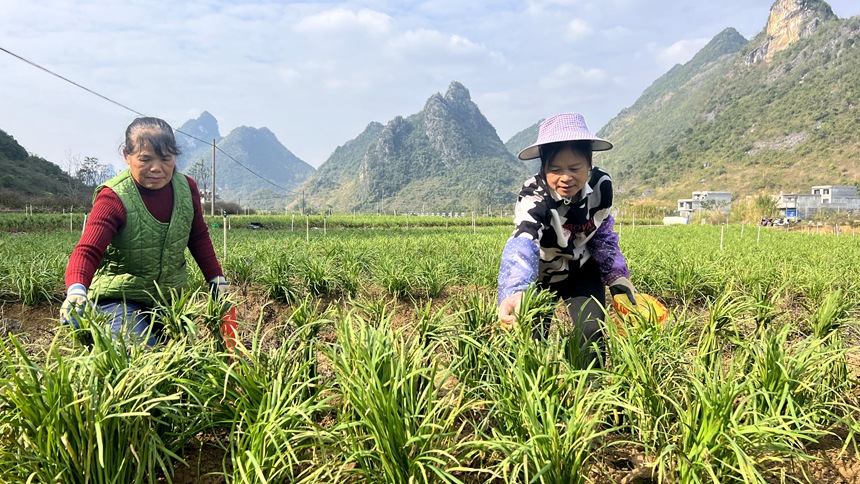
x=316, y=73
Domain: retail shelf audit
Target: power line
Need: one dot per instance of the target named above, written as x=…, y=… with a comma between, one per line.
x=139, y=114
x=236, y=161
x=37, y=66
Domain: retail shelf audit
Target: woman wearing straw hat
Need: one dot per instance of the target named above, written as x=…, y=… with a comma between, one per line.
x=564, y=239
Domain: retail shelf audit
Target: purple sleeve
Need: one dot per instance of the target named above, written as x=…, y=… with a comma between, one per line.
x=519, y=266
x=604, y=248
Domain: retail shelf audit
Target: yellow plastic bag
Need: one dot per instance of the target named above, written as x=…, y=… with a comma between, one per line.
x=647, y=309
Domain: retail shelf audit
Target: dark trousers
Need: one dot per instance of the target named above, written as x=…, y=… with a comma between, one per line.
x=585, y=295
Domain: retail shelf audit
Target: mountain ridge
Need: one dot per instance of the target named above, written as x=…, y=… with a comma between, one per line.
x=744, y=122
x=252, y=166
x=447, y=156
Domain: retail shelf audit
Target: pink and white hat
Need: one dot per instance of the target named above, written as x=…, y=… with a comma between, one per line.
x=564, y=127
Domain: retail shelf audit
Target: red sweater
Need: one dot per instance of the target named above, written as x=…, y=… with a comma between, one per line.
x=108, y=217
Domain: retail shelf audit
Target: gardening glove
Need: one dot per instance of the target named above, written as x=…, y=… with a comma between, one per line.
x=508, y=310
x=622, y=285
x=219, y=287
x=76, y=299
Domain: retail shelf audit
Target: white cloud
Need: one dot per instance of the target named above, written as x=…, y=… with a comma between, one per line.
x=616, y=33
x=538, y=7
x=288, y=74
x=577, y=29
x=424, y=40
x=340, y=19
x=680, y=52
x=568, y=75
x=425, y=45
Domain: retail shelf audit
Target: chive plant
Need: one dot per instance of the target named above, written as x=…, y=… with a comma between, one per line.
x=97, y=414
x=396, y=421
x=546, y=415
x=648, y=367
x=271, y=401
x=476, y=322
x=280, y=282
x=394, y=276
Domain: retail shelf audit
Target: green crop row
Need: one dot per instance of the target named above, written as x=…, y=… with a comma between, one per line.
x=683, y=265
x=343, y=394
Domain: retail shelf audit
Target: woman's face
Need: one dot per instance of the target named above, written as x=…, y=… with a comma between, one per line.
x=148, y=169
x=567, y=172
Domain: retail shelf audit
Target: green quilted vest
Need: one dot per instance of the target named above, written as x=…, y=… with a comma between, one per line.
x=145, y=251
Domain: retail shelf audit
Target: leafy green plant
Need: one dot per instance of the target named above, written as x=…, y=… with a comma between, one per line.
x=829, y=316
x=108, y=413
x=476, y=321
x=546, y=416
x=240, y=271
x=271, y=397
x=649, y=366
x=397, y=422
x=723, y=313
x=280, y=282
x=35, y=281
x=394, y=277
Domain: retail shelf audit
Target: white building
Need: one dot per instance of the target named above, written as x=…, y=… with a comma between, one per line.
x=707, y=200
x=801, y=206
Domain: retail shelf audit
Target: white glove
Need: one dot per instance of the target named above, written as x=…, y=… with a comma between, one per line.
x=622, y=285
x=219, y=287
x=508, y=310
x=76, y=299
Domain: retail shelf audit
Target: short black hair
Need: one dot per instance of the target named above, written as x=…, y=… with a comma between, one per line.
x=154, y=131
x=580, y=147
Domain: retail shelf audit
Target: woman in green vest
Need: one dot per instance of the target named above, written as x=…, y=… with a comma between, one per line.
x=136, y=235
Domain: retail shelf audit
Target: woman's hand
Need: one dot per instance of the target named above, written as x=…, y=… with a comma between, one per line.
x=622, y=285
x=76, y=299
x=219, y=287
x=508, y=310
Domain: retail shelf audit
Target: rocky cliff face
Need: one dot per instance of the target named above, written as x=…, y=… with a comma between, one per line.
x=727, y=124
x=203, y=129
x=456, y=128
x=790, y=21
x=448, y=135
x=255, y=161
x=445, y=157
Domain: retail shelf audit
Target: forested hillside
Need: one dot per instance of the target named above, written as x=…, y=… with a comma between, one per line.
x=748, y=118
x=447, y=157
x=31, y=180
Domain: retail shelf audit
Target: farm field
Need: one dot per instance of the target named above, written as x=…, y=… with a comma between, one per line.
x=371, y=353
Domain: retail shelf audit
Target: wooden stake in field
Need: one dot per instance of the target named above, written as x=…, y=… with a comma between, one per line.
x=225, y=235
x=722, y=235
x=212, y=202
x=307, y=228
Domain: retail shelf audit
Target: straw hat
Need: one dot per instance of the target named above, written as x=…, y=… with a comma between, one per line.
x=564, y=127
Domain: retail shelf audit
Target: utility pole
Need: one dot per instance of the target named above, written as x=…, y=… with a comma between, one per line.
x=212, y=203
